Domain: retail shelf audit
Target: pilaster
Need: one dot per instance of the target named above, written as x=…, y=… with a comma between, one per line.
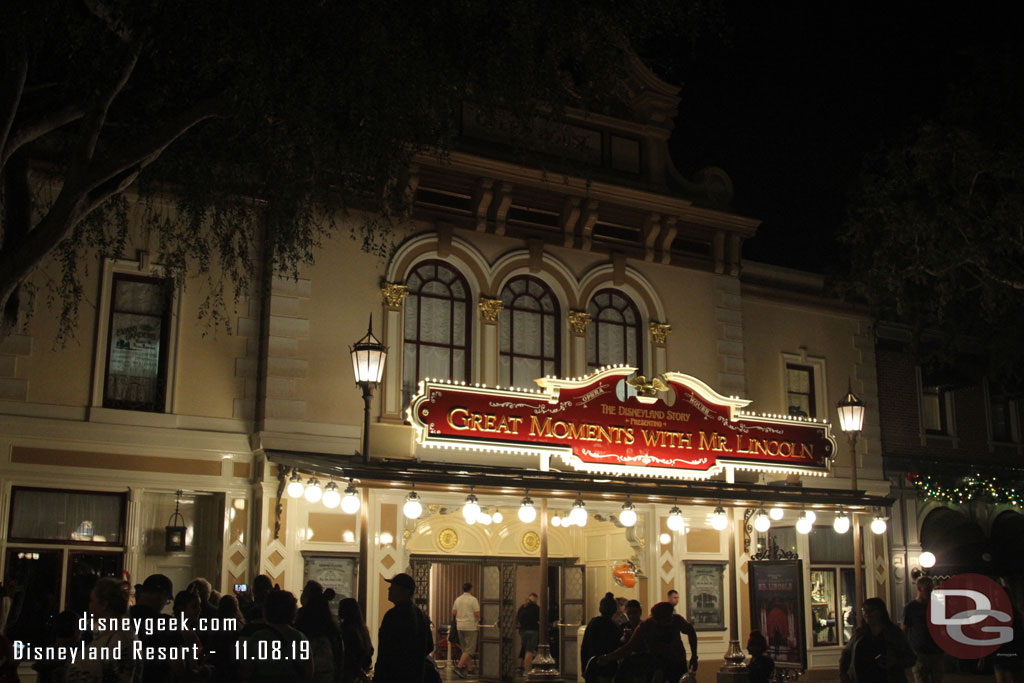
x=490, y=311
x=393, y=299
x=578, y=321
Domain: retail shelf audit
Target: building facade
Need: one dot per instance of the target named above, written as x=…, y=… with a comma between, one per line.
x=503, y=273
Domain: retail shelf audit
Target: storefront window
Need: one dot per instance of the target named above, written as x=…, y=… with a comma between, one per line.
x=49, y=515
x=833, y=616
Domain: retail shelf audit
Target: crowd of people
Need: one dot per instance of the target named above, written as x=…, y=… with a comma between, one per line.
x=269, y=636
x=263, y=636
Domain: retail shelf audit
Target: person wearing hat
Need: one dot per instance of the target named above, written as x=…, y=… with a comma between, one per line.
x=404, y=640
x=150, y=599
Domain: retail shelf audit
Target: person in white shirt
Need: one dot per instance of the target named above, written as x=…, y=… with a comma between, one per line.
x=466, y=611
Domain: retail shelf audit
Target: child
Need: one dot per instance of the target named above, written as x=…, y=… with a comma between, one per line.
x=761, y=666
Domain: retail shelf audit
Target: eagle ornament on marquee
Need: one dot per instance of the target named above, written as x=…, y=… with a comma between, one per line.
x=670, y=426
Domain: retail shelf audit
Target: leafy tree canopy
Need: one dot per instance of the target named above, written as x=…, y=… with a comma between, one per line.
x=936, y=232
x=228, y=123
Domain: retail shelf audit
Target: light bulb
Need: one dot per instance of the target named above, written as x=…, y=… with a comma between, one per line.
x=578, y=515
x=295, y=487
x=483, y=518
x=471, y=509
x=331, y=498
x=313, y=491
x=775, y=513
x=811, y=516
x=664, y=539
x=628, y=514
x=527, y=512
x=497, y=517
x=878, y=525
x=841, y=523
x=804, y=525
x=719, y=520
x=675, y=520
x=350, y=502
x=556, y=521
x=927, y=559
x=762, y=522
x=413, y=508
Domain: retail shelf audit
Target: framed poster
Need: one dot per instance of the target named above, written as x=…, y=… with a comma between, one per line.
x=705, y=595
x=777, y=609
x=337, y=571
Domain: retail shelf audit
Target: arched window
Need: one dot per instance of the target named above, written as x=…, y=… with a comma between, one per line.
x=614, y=333
x=437, y=325
x=530, y=337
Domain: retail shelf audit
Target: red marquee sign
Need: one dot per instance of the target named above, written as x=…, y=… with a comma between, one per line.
x=674, y=425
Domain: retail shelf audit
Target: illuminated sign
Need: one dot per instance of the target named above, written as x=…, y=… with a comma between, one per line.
x=673, y=426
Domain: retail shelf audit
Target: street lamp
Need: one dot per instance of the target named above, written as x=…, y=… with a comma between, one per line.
x=368, y=356
x=851, y=420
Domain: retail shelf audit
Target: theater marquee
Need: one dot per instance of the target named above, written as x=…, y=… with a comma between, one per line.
x=672, y=426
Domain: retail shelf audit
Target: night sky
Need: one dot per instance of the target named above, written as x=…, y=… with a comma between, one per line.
x=795, y=94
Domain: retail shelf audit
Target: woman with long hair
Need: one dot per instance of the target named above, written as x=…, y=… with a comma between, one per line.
x=316, y=622
x=879, y=651
x=358, y=648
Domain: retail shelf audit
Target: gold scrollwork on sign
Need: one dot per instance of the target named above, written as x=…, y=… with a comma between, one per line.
x=531, y=541
x=489, y=309
x=394, y=294
x=447, y=539
x=578, y=321
x=659, y=332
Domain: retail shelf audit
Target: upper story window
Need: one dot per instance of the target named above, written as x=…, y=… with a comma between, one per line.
x=800, y=398
x=529, y=322
x=137, y=343
x=614, y=332
x=936, y=405
x=437, y=325
x=1006, y=415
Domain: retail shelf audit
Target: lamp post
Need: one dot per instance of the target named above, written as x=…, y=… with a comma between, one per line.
x=851, y=421
x=368, y=356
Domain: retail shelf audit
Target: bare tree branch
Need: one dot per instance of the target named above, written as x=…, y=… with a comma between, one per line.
x=13, y=89
x=29, y=131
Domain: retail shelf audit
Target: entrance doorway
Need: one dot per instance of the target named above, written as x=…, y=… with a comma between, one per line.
x=502, y=584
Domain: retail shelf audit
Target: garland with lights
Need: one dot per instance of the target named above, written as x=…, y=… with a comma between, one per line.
x=966, y=489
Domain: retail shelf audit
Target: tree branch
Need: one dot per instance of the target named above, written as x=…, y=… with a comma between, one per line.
x=29, y=131
x=13, y=89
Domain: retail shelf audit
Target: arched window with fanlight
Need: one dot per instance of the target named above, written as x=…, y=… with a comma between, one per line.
x=614, y=333
x=529, y=322
x=437, y=326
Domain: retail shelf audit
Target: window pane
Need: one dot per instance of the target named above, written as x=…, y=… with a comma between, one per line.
x=66, y=516
x=784, y=537
x=825, y=623
x=32, y=580
x=999, y=409
x=527, y=333
x=435, y=321
x=932, y=411
x=799, y=380
x=83, y=571
x=848, y=593
x=135, y=354
x=828, y=546
x=616, y=337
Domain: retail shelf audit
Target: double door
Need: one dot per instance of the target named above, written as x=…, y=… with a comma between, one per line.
x=501, y=585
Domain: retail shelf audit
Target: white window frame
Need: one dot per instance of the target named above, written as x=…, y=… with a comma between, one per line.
x=817, y=365
x=947, y=404
x=128, y=267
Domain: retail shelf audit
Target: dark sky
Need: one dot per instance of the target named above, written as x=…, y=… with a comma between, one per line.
x=796, y=94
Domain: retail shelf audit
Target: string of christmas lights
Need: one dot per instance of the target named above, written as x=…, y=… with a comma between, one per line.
x=966, y=489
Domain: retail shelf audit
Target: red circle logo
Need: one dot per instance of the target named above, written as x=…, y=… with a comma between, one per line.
x=970, y=616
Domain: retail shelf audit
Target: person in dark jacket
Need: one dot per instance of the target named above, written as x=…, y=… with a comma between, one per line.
x=528, y=619
x=879, y=651
x=600, y=638
x=659, y=636
x=404, y=639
